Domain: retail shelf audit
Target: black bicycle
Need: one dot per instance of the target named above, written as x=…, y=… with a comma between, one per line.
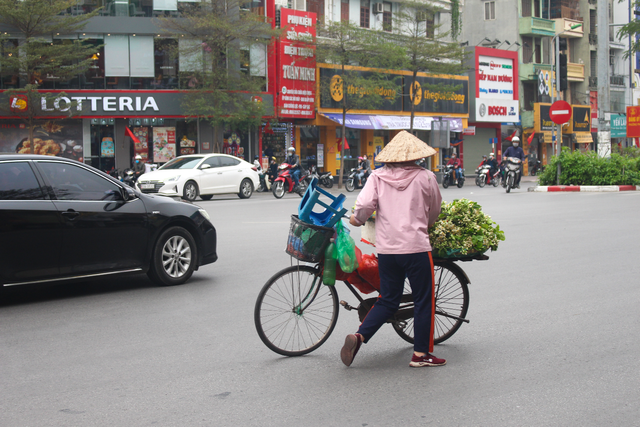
x=295, y=312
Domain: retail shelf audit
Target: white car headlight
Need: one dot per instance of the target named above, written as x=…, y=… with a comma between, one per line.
x=175, y=178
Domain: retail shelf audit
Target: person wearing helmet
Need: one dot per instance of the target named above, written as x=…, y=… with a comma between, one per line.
x=256, y=163
x=515, y=151
x=457, y=166
x=138, y=166
x=272, y=172
x=293, y=159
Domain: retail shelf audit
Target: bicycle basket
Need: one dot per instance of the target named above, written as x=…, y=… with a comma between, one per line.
x=307, y=242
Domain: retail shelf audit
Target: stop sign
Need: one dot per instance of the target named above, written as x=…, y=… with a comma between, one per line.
x=560, y=112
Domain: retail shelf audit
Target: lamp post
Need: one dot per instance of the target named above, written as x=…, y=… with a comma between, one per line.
x=556, y=40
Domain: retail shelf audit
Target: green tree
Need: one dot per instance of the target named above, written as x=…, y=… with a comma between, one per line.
x=350, y=49
x=631, y=29
x=215, y=40
x=426, y=46
x=32, y=51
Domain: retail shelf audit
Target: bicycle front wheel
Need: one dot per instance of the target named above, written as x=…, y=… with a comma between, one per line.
x=295, y=313
x=452, y=301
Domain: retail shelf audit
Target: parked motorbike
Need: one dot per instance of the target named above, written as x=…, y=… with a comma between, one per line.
x=352, y=180
x=449, y=176
x=284, y=182
x=536, y=168
x=484, y=176
x=511, y=168
x=325, y=179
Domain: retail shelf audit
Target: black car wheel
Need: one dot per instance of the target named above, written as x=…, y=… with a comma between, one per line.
x=190, y=191
x=174, y=257
x=246, y=189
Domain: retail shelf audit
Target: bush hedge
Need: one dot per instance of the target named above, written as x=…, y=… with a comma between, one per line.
x=578, y=168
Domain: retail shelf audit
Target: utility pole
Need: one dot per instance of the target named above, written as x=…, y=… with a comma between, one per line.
x=604, y=101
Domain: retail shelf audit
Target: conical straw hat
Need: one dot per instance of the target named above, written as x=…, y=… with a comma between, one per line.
x=404, y=147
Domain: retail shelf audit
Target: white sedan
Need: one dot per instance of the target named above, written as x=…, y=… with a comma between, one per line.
x=201, y=175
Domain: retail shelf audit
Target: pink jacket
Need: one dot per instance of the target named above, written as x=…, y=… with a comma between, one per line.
x=407, y=201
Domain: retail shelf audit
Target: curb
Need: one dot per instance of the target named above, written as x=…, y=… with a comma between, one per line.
x=585, y=188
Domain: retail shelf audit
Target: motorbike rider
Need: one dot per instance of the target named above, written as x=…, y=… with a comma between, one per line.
x=456, y=163
x=138, y=166
x=273, y=169
x=493, y=164
x=256, y=163
x=364, y=169
x=293, y=159
x=516, y=151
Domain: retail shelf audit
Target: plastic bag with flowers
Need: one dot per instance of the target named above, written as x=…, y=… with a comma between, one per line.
x=463, y=230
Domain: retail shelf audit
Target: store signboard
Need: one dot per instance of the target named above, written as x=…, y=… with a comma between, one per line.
x=618, y=126
x=297, y=65
x=542, y=120
x=633, y=122
x=496, y=86
x=112, y=103
x=581, y=118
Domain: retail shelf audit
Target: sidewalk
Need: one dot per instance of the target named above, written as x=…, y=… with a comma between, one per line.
x=578, y=188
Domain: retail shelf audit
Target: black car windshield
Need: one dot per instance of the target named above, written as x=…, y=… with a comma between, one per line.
x=182, y=163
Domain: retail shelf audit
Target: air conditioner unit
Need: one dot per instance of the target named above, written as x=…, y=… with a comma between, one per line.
x=378, y=8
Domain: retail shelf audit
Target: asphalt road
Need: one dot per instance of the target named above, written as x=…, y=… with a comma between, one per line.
x=553, y=338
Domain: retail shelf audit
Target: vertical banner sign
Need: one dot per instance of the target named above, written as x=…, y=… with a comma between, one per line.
x=633, y=122
x=164, y=144
x=297, y=65
x=496, y=86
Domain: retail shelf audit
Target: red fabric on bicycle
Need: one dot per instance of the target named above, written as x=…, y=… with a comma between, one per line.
x=355, y=278
x=368, y=270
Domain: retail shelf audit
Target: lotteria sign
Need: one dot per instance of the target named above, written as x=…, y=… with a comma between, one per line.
x=110, y=103
x=297, y=65
x=496, y=85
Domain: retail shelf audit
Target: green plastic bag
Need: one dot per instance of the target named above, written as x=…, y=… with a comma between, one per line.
x=346, y=249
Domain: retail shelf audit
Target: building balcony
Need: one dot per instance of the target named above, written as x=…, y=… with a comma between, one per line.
x=575, y=72
x=563, y=25
x=617, y=80
x=532, y=27
x=616, y=44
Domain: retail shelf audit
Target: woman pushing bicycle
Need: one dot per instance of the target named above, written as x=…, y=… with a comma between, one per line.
x=407, y=200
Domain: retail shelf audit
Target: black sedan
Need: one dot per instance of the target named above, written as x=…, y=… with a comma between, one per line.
x=61, y=219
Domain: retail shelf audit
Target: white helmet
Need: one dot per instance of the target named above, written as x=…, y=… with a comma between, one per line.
x=291, y=150
x=138, y=157
x=515, y=139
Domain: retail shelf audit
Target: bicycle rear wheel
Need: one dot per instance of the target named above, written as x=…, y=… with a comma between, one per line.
x=451, y=299
x=295, y=313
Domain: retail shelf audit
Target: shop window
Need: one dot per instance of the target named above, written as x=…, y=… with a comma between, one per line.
x=93, y=78
x=365, y=13
x=309, y=138
x=430, y=25
x=10, y=78
x=489, y=11
x=387, y=18
x=316, y=6
x=166, y=65
x=351, y=154
x=102, y=148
